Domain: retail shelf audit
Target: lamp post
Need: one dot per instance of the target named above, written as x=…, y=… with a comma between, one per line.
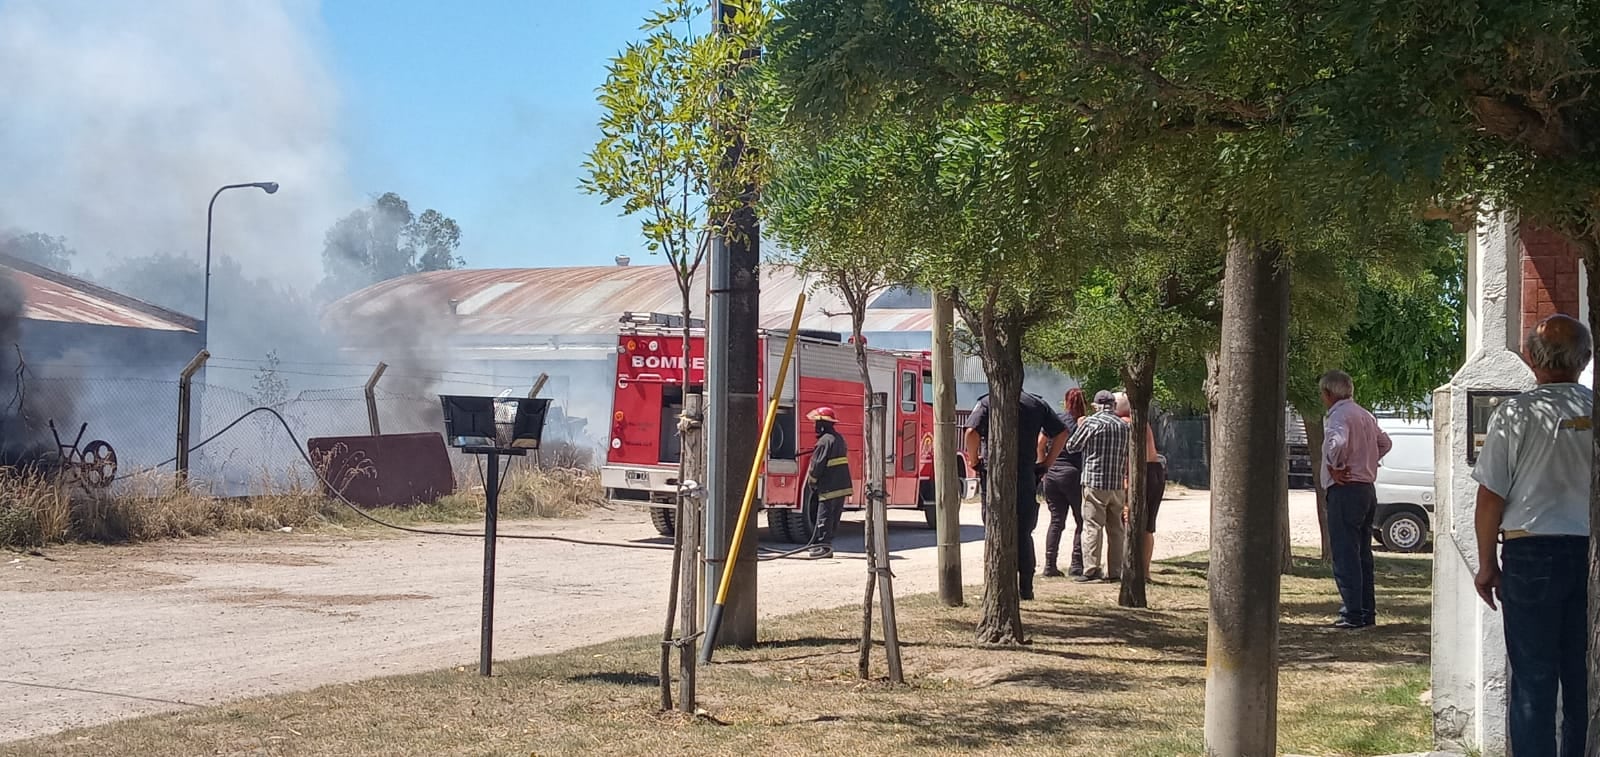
x=205, y=316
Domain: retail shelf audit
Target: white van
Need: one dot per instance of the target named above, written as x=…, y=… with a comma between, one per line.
x=1405, y=486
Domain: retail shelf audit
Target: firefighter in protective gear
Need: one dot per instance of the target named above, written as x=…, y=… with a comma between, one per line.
x=828, y=480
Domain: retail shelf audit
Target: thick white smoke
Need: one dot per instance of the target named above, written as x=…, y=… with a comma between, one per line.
x=121, y=118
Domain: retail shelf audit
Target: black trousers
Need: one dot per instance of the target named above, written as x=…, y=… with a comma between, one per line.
x=1351, y=508
x=1027, y=520
x=1064, y=496
x=828, y=513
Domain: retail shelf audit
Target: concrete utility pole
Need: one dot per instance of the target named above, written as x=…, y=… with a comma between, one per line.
x=947, y=484
x=733, y=403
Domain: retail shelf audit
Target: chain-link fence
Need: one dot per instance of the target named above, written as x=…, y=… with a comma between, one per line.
x=234, y=451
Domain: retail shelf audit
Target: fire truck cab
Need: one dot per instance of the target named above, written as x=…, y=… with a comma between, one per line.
x=643, y=446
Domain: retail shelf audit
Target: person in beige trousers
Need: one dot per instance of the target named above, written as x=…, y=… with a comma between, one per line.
x=1102, y=439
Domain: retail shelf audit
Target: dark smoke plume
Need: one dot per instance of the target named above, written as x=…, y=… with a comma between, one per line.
x=19, y=442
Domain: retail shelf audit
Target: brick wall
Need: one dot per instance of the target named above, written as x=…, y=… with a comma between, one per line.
x=1549, y=275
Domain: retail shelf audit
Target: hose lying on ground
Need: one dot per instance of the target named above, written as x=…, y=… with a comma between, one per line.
x=306, y=456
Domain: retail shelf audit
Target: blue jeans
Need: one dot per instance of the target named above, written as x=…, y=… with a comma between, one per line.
x=1545, y=603
x=1351, y=508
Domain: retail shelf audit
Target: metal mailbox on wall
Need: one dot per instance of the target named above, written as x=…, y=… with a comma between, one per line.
x=1481, y=404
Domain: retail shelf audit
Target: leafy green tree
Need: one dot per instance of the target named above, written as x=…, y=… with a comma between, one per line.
x=385, y=240
x=675, y=151
x=1407, y=338
x=964, y=208
x=41, y=249
x=1221, y=93
x=986, y=223
x=823, y=205
x=1500, y=97
x=1152, y=296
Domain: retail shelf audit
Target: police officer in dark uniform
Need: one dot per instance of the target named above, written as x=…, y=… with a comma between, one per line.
x=1040, y=437
x=828, y=480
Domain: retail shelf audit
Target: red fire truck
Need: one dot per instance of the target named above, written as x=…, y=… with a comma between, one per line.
x=643, y=449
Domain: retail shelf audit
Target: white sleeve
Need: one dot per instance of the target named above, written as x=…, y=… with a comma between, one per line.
x=1493, y=468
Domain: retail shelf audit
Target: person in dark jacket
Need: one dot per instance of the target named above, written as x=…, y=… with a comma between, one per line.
x=1063, y=494
x=828, y=480
x=1040, y=436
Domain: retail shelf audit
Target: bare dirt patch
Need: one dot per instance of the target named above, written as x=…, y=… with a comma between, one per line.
x=23, y=572
x=280, y=598
x=1096, y=679
x=134, y=629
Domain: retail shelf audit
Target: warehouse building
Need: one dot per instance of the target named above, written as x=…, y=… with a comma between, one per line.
x=72, y=352
x=495, y=330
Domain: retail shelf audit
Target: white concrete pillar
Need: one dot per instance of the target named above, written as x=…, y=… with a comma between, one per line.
x=1469, y=659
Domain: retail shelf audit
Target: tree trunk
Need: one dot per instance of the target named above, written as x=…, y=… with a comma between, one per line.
x=667, y=639
x=1139, y=376
x=946, y=482
x=869, y=448
x=1315, y=435
x=1242, y=642
x=864, y=649
x=1001, y=621
x=1591, y=260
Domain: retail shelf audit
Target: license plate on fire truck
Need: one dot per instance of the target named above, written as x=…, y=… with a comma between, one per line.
x=639, y=477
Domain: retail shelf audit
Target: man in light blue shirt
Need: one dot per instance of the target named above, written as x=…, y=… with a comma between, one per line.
x=1533, y=495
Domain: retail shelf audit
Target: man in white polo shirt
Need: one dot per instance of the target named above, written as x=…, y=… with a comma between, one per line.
x=1533, y=495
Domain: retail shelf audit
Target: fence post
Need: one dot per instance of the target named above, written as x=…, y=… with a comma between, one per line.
x=878, y=511
x=185, y=380
x=371, y=390
x=538, y=385
x=692, y=453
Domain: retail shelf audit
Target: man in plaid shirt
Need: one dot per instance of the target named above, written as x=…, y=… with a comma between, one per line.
x=1102, y=439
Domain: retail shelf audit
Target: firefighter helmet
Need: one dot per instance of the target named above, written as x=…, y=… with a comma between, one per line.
x=822, y=414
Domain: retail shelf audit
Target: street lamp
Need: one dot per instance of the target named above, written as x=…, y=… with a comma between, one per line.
x=205, y=316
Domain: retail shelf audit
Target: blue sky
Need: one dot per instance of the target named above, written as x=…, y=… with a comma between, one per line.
x=485, y=111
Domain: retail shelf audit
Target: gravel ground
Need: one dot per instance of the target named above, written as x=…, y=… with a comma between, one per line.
x=95, y=634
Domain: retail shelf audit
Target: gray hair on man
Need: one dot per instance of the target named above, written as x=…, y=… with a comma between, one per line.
x=1559, y=344
x=1337, y=384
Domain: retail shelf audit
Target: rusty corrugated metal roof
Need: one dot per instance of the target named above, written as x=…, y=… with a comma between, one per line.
x=876, y=321
x=519, y=302
x=54, y=296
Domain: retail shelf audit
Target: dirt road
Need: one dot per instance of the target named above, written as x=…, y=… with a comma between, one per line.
x=94, y=634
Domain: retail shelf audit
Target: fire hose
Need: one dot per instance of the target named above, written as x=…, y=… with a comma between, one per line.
x=339, y=496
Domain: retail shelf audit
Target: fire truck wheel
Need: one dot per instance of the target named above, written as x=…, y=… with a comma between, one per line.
x=796, y=524
x=931, y=515
x=661, y=518
x=778, y=524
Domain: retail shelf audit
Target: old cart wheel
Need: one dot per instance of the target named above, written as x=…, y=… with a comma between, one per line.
x=99, y=466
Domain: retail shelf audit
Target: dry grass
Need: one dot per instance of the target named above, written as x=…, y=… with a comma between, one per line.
x=1097, y=680
x=150, y=507
x=532, y=493
x=35, y=511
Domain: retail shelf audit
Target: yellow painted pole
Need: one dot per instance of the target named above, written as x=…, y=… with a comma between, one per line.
x=714, y=624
